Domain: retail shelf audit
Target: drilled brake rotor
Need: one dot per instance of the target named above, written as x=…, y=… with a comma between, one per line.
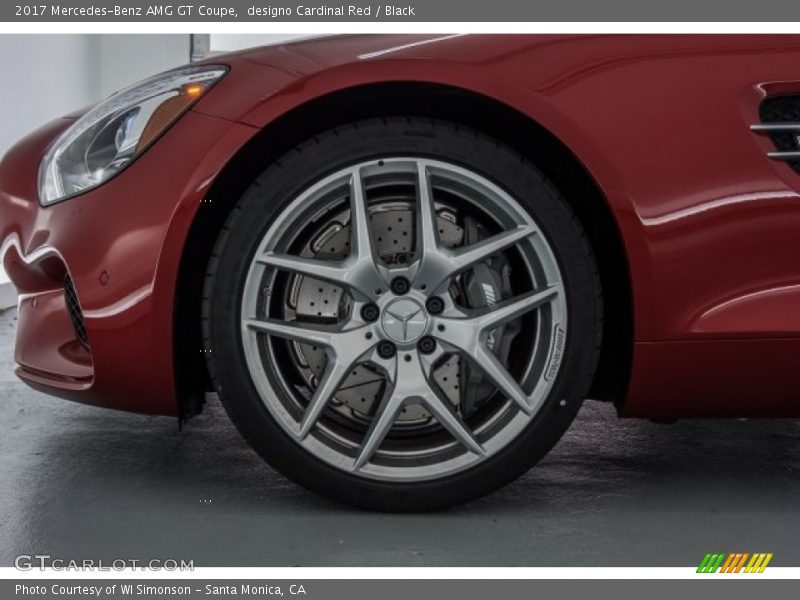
x=314, y=300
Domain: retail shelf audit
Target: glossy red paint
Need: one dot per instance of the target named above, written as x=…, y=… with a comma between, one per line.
x=710, y=225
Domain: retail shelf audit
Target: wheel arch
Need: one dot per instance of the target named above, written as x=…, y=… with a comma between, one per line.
x=463, y=107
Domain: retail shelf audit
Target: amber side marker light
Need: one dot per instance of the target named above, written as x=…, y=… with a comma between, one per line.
x=194, y=90
x=169, y=111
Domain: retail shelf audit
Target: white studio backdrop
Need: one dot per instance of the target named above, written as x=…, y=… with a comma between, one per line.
x=52, y=75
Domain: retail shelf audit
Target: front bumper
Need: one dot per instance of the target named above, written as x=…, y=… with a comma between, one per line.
x=119, y=246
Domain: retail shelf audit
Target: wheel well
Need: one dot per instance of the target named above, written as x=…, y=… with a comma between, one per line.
x=407, y=99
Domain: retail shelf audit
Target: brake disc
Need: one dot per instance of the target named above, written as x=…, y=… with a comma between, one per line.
x=313, y=300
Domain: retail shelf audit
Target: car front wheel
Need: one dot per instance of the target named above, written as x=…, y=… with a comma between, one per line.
x=403, y=314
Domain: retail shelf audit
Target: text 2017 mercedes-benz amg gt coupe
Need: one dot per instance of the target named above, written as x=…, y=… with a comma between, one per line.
x=402, y=262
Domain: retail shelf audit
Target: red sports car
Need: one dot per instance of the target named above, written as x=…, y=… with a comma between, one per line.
x=402, y=262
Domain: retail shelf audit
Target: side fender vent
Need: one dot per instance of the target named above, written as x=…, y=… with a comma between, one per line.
x=780, y=120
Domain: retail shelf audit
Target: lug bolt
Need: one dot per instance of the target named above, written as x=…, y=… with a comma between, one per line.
x=400, y=285
x=435, y=305
x=370, y=312
x=426, y=345
x=386, y=349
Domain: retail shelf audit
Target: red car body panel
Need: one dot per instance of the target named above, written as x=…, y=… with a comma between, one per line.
x=709, y=224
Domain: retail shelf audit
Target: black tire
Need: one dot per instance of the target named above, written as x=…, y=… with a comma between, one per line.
x=350, y=144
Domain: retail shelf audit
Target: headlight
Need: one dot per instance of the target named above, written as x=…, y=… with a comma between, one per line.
x=111, y=135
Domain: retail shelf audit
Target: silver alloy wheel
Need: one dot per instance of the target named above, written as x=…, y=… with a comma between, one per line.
x=380, y=448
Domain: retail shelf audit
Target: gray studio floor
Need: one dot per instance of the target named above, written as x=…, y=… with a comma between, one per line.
x=81, y=482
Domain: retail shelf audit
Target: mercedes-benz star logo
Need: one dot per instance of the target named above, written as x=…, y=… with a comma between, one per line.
x=404, y=320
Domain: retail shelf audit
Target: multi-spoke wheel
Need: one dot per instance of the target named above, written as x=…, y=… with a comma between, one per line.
x=402, y=314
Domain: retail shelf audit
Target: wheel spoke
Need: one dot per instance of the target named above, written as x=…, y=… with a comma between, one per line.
x=467, y=335
x=330, y=271
x=502, y=379
x=511, y=309
x=437, y=264
x=364, y=268
x=363, y=248
x=470, y=255
x=382, y=422
x=360, y=272
x=335, y=374
x=344, y=349
x=412, y=383
x=427, y=227
x=447, y=418
x=305, y=333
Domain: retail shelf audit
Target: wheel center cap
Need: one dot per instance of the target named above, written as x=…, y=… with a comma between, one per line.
x=404, y=320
